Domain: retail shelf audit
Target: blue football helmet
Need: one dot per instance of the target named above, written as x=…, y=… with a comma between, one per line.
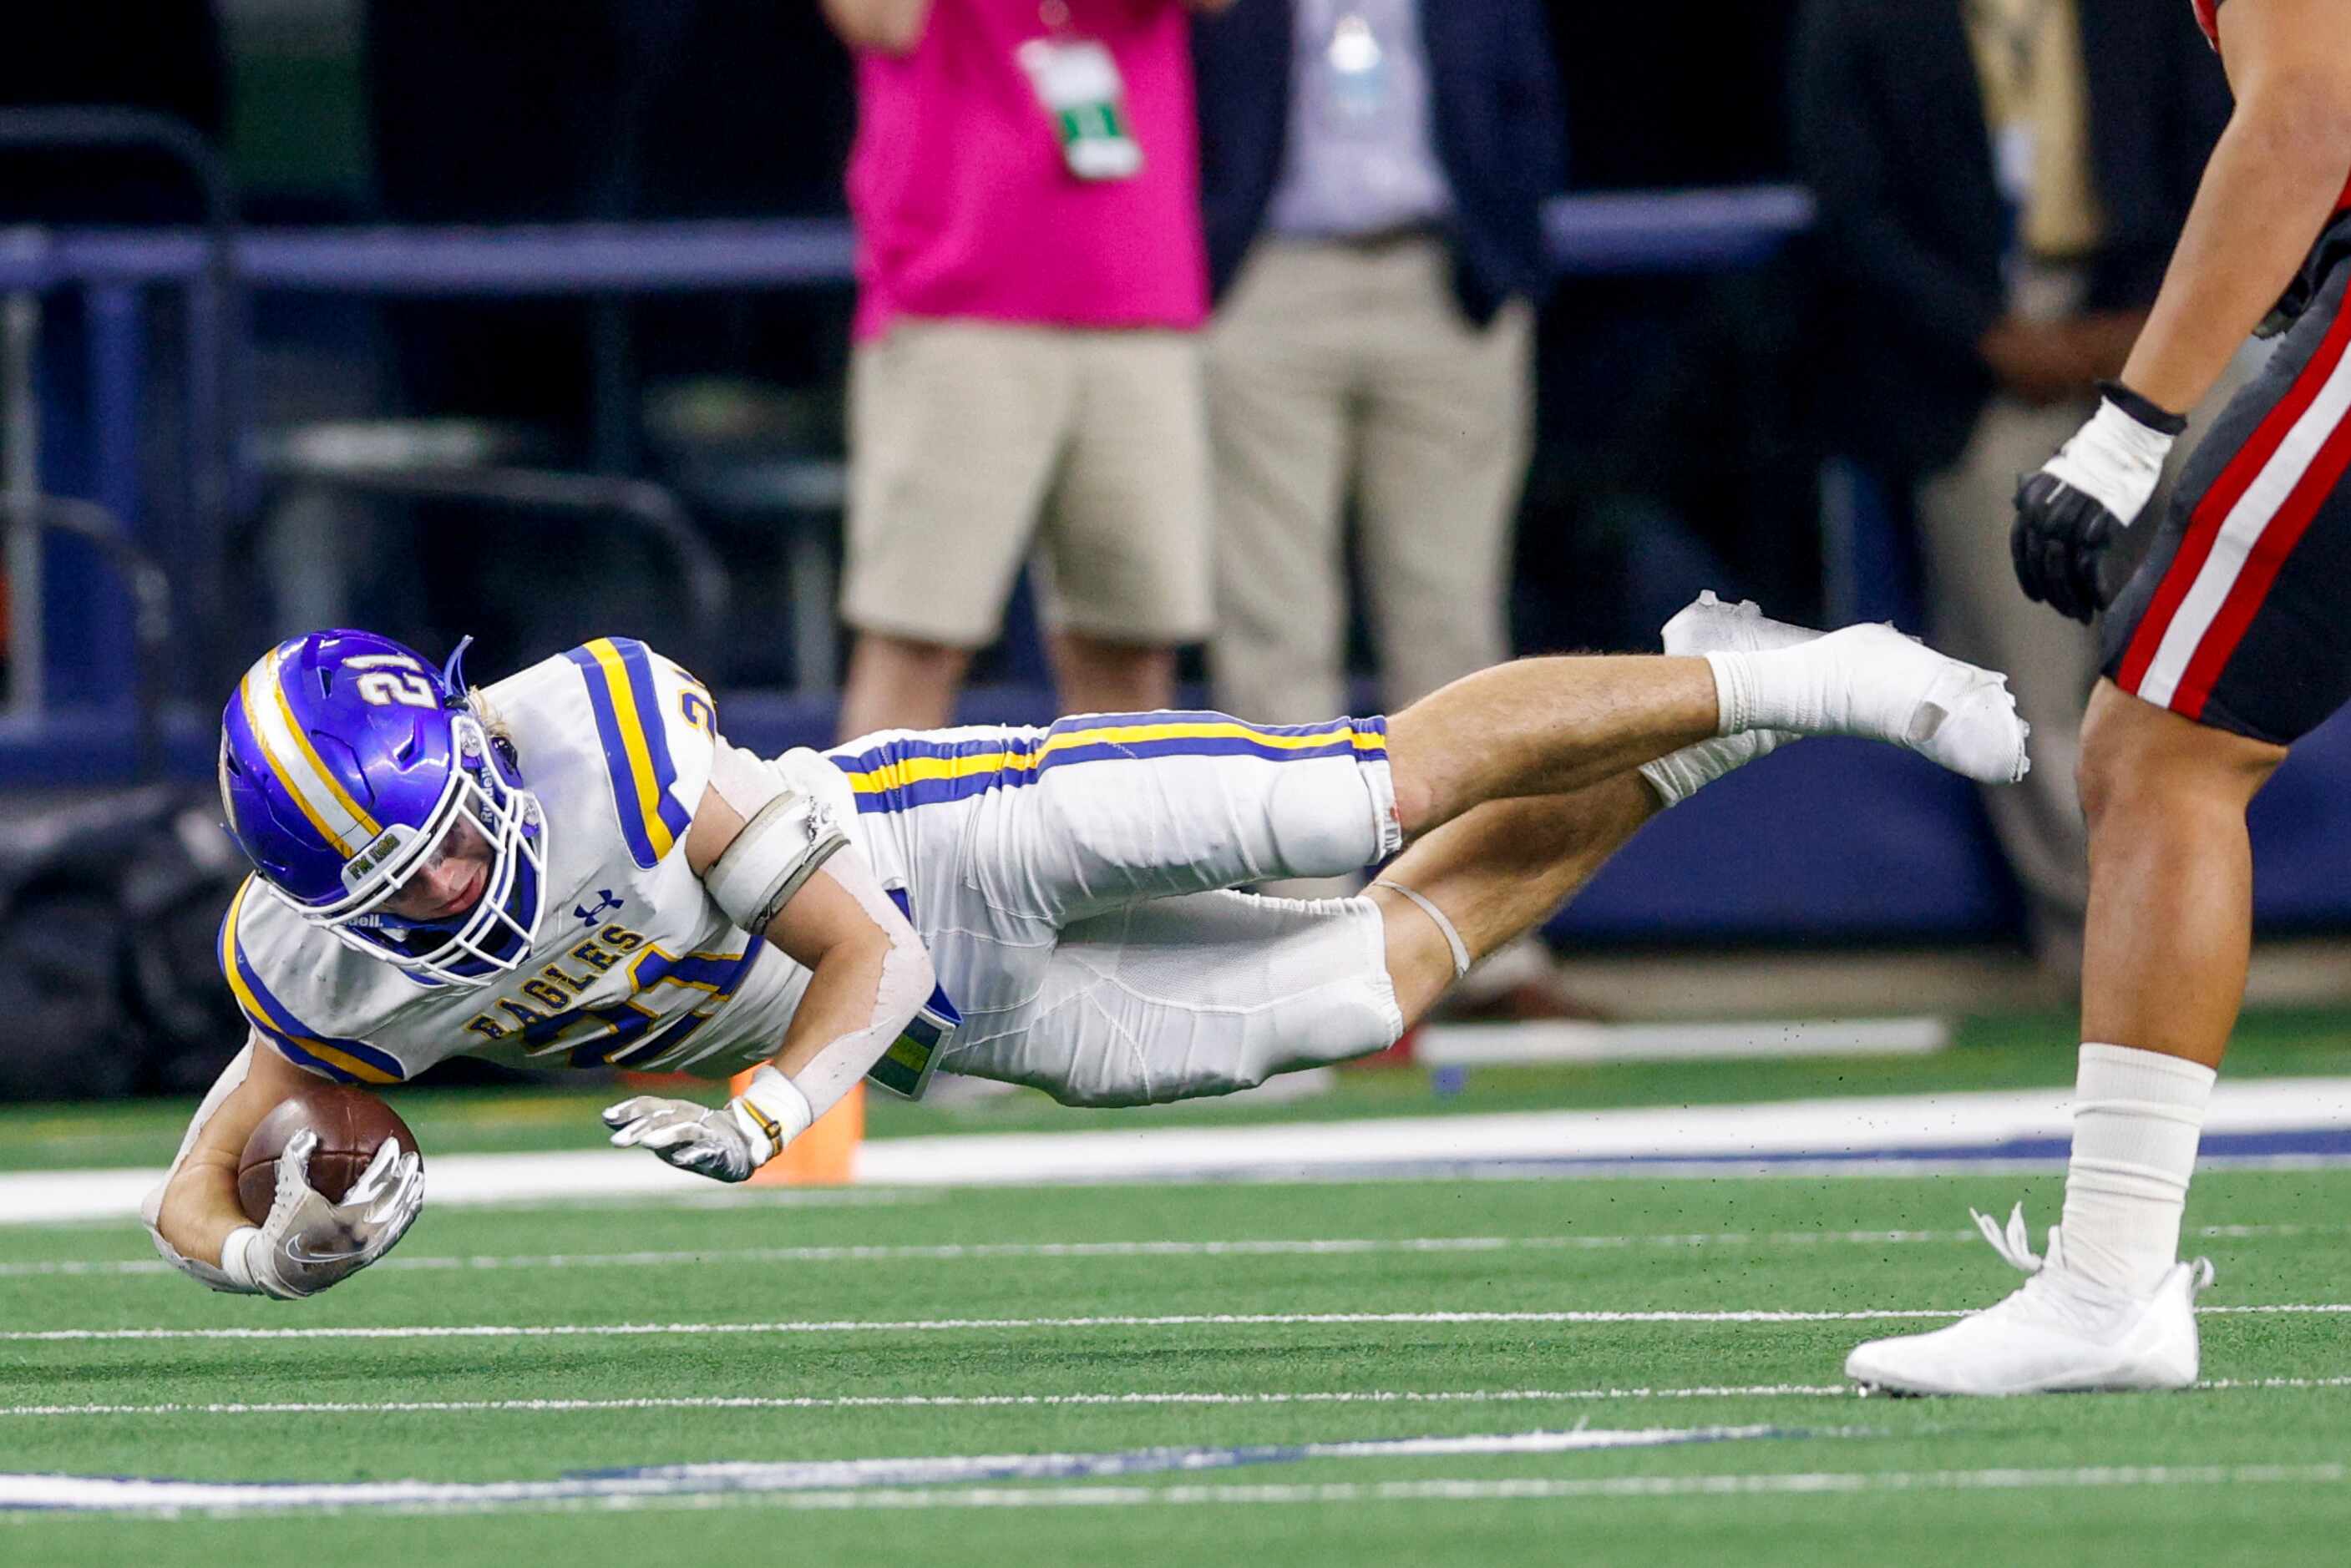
x=347, y=765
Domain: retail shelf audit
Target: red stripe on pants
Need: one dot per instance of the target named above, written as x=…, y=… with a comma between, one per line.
x=2213, y=509
x=2263, y=560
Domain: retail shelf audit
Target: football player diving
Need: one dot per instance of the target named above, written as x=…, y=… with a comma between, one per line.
x=573, y=867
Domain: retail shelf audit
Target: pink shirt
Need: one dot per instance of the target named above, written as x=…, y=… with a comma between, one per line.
x=964, y=208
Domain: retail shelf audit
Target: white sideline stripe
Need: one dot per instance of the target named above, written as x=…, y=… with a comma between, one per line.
x=1576, y=1040
x=116, y=1494
x=981, y=1251
x=1856, y=1125
x=1026, y=1401
x=1418, y=1490
x=952, y=1324
x=1853, y=1125
x=2241, y=530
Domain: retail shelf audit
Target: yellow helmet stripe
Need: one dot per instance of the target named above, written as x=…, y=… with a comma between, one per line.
x=340, y=819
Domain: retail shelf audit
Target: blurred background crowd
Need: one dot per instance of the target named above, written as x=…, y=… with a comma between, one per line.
x=1115, y=354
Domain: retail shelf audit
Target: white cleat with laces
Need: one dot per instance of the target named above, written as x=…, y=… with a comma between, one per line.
x=2058, y=1334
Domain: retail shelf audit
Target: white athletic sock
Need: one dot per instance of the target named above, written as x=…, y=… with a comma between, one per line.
x=1805, y=689
x=2136, y=1118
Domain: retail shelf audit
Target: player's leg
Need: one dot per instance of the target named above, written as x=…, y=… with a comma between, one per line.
x=1492, y=875
x=1209, y=992
x=1551, y=726
x=2167, y=941
x=2225, y=648
x=2172, y=876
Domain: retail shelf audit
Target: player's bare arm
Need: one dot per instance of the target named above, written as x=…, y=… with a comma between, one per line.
x=2271, y=181
x=775, y=863
x=199, y=1209
x=2276, y=174
x=308, y=1241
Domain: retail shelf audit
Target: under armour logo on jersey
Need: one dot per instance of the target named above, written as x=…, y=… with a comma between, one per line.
x=589, y=917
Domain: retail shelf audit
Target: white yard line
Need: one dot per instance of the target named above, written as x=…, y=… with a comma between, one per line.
x=1024, y=1401
x=947, y=1325
x=635, y=1494
x=956, y=1251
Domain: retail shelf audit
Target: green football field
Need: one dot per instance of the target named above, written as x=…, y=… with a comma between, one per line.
x=1235, y=1372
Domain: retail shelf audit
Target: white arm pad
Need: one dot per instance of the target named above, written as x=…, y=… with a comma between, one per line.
x=151, y=1209
x=786, y=836
x=907, y=982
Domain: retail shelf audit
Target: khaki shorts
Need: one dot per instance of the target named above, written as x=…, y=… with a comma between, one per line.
x=973, y=443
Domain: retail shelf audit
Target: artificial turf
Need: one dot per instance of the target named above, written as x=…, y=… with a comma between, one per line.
x=2049, y=1479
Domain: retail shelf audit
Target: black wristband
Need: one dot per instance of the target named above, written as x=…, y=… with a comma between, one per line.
x=2146, y=413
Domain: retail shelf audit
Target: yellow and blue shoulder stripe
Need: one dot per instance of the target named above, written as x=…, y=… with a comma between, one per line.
x=618, y=673
x=912, y=770
x=345, y=1061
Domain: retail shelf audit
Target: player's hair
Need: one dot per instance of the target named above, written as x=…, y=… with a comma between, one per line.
x=493, y=724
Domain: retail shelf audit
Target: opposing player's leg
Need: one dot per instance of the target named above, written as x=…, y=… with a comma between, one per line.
x=2225, y=648
x=2171, y=880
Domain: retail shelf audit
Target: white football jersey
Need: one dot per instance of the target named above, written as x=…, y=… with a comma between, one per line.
x=634, y=964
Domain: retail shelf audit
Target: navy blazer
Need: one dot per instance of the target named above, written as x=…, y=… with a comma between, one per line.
x=1890, y=135
x=1495, y=115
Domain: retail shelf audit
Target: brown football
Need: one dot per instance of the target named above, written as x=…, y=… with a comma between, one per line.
x=352, y=1125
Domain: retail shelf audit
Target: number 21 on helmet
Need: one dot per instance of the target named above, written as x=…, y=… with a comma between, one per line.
x=348, y=765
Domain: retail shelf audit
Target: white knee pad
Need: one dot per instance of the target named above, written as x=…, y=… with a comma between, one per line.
x=1332, y=815
x=1175, y=997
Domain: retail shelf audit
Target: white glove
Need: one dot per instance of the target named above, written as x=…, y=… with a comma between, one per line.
x=725, y=1143
x=312, y=1242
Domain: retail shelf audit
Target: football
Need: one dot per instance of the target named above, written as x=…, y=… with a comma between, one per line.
x=352, y=1125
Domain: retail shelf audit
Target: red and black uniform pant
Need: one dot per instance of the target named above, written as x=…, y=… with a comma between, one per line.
x=2239, y=616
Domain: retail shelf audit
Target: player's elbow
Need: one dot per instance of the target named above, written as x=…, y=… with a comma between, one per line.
x=909, y=967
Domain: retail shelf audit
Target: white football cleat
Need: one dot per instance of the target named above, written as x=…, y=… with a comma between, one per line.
x=1875, y=682
x=1706, y=625
x=2059, y=1333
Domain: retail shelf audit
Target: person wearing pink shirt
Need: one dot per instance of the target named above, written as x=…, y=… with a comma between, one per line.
x=1032, y=283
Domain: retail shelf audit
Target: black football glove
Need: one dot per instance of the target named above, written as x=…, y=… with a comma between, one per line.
x=2078, y=505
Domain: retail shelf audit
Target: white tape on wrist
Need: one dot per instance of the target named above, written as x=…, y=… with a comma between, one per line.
x=233, y=1262
x=2114, y=459
x=772, y=1108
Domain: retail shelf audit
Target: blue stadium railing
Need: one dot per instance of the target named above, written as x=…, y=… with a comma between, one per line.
x=117, y=271
x=1830, y=841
